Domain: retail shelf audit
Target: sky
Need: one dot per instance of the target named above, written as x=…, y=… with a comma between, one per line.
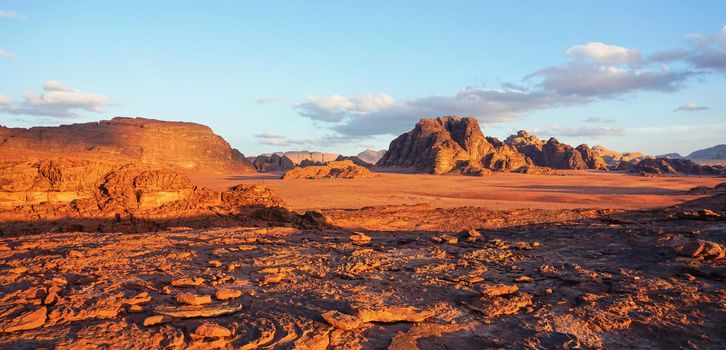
x=344, y=76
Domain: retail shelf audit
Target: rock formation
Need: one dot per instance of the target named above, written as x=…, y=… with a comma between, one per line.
x=355, y=159
x=448, y=144
x=178, y=145
x=553, y=154
x=298, y=156
x=345, y=169
x=371, y=156
x=273, y=162
x=717, y=152
x=661, y=166
x=613, y=158
x=84, y=195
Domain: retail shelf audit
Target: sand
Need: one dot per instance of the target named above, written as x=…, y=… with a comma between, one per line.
x=576, y=189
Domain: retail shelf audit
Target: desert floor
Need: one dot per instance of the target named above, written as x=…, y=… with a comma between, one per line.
x=575, y=189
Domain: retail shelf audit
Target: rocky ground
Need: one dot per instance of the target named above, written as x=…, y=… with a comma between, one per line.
x=386, y=277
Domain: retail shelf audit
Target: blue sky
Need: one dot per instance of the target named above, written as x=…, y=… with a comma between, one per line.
x=344, y=76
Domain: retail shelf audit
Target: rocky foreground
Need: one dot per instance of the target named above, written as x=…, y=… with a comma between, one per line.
x=386, y=277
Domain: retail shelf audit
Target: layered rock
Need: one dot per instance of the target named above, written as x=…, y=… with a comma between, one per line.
x=82, y=195
x=273, y=162
x=344, y=169
x=447, y=144
x=178, y=145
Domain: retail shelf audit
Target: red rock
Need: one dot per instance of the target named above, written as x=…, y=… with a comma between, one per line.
x=211, y=330
x=26, y=321
x=193, y=299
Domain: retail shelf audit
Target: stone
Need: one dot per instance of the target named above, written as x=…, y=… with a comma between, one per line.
x=360, y=239
x=18, y=270
x=140, y=298
x=190, y=311
x=156, y=320
x=211, y=330
x=497, y=306
x=702, y=249
x=495, y=290
x=215, y=263
x=226, y=293
x=193, y=299
x=390, y=314
x=187, y=282
x=341, y=320
x=26, y=321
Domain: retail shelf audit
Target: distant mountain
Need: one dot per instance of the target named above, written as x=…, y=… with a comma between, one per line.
x=670, y=156
x=298, y=157
x=717, y=152
x=371, y=156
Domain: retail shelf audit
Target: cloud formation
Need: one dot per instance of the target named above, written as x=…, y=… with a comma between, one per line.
x=583, y=131
x=605, y=53
x=8, y=54
x=335, y=108
x=58, y=101
x=596, y=71
x=690, y=107
x=5, y=101
x=9, y=14
x=596, y=120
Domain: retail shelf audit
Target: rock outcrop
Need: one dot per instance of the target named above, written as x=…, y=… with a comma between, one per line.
x=179, y=145
x=663, y=166
x=449, y=144
x=717, y=152
x=82, y=195
x=298, y=157
x=553, y=154
x=345, y=169
x=273, y=162
x=371, y=156
x=613, y=158
x=355, y=159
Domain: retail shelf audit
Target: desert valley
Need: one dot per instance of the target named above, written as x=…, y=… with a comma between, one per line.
x=139, y=233
x=355, y=175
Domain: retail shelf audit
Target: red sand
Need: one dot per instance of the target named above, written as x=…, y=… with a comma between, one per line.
x=577, y=189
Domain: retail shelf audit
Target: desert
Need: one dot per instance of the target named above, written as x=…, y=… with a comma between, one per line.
x=350, y=176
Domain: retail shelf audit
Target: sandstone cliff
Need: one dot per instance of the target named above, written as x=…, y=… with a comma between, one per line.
x=179, y=145
x=273, y=162
x=298, y=157
x=554, y=154
x=449, y=144
x=662, y=166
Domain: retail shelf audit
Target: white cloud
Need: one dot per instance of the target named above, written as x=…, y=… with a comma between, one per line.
x=335, y=107
x=583, y=131
x=269, y=135
x=9, y=14
x=690, y=107
x=5, y=101
x=605, y=54
x=595, y=120
x=59, y=101
x=8, y=54
x=268, y=99
x=602, y=81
